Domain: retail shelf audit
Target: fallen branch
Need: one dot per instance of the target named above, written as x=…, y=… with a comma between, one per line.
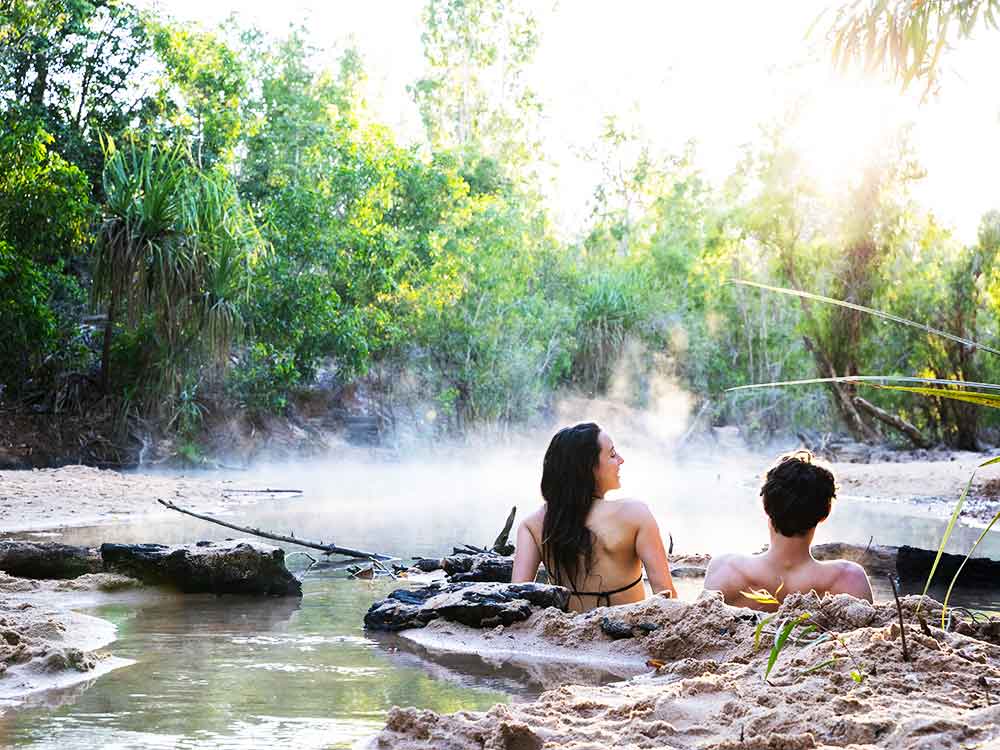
x=897, y=423
x=265, y=491
x=330, y=549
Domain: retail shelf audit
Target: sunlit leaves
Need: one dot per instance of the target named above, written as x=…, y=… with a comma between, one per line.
x=905, y=37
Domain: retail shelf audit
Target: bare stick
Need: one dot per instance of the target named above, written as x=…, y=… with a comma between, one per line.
x=330, y=549
x=899, y=611
x=267, y=491
x=504, y=536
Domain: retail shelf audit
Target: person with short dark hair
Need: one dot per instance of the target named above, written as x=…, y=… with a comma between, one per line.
x=797, y=494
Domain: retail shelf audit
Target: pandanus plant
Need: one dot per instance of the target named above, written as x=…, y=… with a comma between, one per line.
x=172, y=254
x=982, y=394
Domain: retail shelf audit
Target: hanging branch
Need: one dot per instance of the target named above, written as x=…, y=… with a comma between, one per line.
x=330, y=549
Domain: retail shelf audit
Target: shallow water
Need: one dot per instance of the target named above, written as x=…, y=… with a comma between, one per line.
x=240, y=672
x=234, y=672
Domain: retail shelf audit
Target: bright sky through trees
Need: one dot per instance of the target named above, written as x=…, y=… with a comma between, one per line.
x=708, y=71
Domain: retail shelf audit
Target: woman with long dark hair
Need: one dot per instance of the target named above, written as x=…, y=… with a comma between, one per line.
x=593, y=546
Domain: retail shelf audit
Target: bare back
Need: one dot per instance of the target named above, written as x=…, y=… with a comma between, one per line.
x=732, y=574
x=626, y=537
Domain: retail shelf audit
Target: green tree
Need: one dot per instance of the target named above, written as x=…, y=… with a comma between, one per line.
x=174, y=252
x=906, y=38
x=45, y=214
x=76, y=66
x=474, y=95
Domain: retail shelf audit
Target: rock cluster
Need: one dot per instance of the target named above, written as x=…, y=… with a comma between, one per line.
x=233, y=567
x=478, y=568
x=478, y=605
x=230, y=567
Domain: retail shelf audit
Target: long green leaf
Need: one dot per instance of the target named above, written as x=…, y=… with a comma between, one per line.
x=882, y=380
x=779, y=642
x=816, y=667
x=991, y=400
x=869, y=310
x=760, y=627
x=944, y=539
x=947, y=596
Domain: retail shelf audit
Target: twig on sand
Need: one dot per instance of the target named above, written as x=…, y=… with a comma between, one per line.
x=329, y=549
x=899, y=611
x=266, y=491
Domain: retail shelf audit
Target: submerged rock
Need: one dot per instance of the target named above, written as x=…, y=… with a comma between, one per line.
x=235, y=567
x=478, y=605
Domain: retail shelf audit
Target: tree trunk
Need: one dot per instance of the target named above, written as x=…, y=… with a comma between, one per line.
x=109, y=327
x=843, y=397
x=893, y=420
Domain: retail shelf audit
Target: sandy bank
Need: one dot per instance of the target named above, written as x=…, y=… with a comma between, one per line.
x=44, y=645
x=710, y=691
x=83, y=496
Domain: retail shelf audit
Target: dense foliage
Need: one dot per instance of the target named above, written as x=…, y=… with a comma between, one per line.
x=194, y=219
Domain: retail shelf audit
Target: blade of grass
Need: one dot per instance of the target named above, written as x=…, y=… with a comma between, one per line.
x=983, y=399
x=958, y=572
x=779, y=642
x=947, y=533
x=869, y=310
x=944, y=539
x=759, y=629
x=873, y=379
x=817, y=667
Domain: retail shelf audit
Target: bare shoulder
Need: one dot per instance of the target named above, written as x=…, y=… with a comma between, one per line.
x=852, y=579
x=635, y=510
x=536, y=519
x=725, y=572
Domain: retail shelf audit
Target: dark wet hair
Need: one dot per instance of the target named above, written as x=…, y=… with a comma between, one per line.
x=568, y=487
x=797, y=493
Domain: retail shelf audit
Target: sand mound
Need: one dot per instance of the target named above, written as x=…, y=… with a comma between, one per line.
x=710, y=692
x=42, y=648
x=88, y=582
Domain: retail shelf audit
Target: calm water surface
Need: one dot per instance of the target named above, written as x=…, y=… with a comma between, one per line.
x=236, y=673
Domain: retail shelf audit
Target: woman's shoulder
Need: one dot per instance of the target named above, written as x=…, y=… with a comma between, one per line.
x=536, y=517
x=633, y=508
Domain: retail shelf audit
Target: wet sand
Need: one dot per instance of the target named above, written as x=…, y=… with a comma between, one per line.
x=709, y=691
x=46, y=499
x=46, y=646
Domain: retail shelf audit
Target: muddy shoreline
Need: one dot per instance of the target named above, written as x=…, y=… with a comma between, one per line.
x=705, y=686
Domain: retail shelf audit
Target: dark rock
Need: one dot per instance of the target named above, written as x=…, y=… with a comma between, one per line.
x=427, y=564
x=221, y=568
x=478, y=605
x=457, y=563
x=615, y=629
x=687, y=571
x=914, y=564
x=478, y=568
x=47, y=560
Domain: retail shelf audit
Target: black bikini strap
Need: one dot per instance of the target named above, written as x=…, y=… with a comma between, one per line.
x=606, y=595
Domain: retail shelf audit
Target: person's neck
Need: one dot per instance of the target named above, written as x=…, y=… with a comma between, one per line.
x=790, y=551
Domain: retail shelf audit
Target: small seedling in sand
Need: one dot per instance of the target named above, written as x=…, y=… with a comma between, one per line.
x=784, y=636
x=763, y=596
